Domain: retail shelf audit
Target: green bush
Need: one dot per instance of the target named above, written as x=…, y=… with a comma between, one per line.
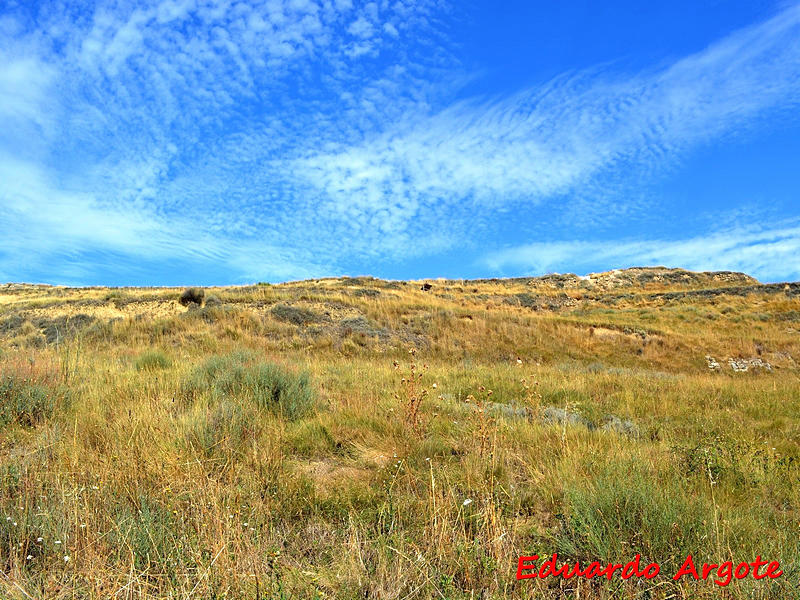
x=618, y=515
x=213, y=300
x=25, y=401
x=152, y=360
x=243, y=376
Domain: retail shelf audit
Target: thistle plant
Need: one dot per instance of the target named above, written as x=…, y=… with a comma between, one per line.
x=412, y=394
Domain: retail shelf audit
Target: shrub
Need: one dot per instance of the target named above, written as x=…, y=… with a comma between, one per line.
x=211, y=312
x=619, y=515
x=524, y=299
x=360, y=326
x=192, y=296
x=25, y=401
x=117, y=297
x=241, y=375
x=62, y=328
x=295, y=314
x=213, y=300
x=152, y=360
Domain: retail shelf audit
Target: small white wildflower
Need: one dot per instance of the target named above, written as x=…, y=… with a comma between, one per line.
x=40, y=540
x=428, y=459
x=15, y=523
x=58, y=542
x=66, y=558
x=246, y=524
x=467, y=502
x=435, y=386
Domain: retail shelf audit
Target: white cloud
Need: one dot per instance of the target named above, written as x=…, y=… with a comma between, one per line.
x=391, y=30
x=41, y=221
x=360, y=28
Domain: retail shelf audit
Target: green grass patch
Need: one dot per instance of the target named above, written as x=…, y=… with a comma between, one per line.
x=152, y=360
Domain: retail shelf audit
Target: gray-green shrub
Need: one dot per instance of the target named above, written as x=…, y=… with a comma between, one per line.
x=25, y=401
x=243, y=376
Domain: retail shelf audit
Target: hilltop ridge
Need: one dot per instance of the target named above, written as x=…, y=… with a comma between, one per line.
x=631, y=276
x=628, y=277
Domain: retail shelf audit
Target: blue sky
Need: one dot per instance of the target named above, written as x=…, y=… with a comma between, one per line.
x=220, y=141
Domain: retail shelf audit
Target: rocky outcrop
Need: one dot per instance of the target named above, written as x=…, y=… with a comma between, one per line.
x=743, y=365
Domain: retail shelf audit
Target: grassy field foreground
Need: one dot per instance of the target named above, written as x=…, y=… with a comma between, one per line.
x=358, y=438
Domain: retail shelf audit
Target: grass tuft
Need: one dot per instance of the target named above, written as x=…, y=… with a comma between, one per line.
x=152, y=360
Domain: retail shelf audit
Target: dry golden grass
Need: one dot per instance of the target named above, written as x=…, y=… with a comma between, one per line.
x=276, y=442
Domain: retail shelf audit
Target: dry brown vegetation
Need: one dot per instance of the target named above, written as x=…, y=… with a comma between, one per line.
x=280, y=441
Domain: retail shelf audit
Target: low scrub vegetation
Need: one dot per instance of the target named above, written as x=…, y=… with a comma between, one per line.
x=297, y=315
x=306, y=440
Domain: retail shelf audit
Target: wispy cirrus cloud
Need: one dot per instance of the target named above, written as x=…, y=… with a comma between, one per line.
x=565, y=136
x=81, y=234
x=148, y=131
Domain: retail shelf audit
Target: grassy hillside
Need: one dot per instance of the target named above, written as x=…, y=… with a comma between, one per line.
x=359, y=438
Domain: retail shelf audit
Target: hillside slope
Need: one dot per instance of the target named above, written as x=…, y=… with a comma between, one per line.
x=361, y=438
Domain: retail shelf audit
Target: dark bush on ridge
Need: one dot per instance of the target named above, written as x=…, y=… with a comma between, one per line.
x=242, y=376
x=192, y=296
